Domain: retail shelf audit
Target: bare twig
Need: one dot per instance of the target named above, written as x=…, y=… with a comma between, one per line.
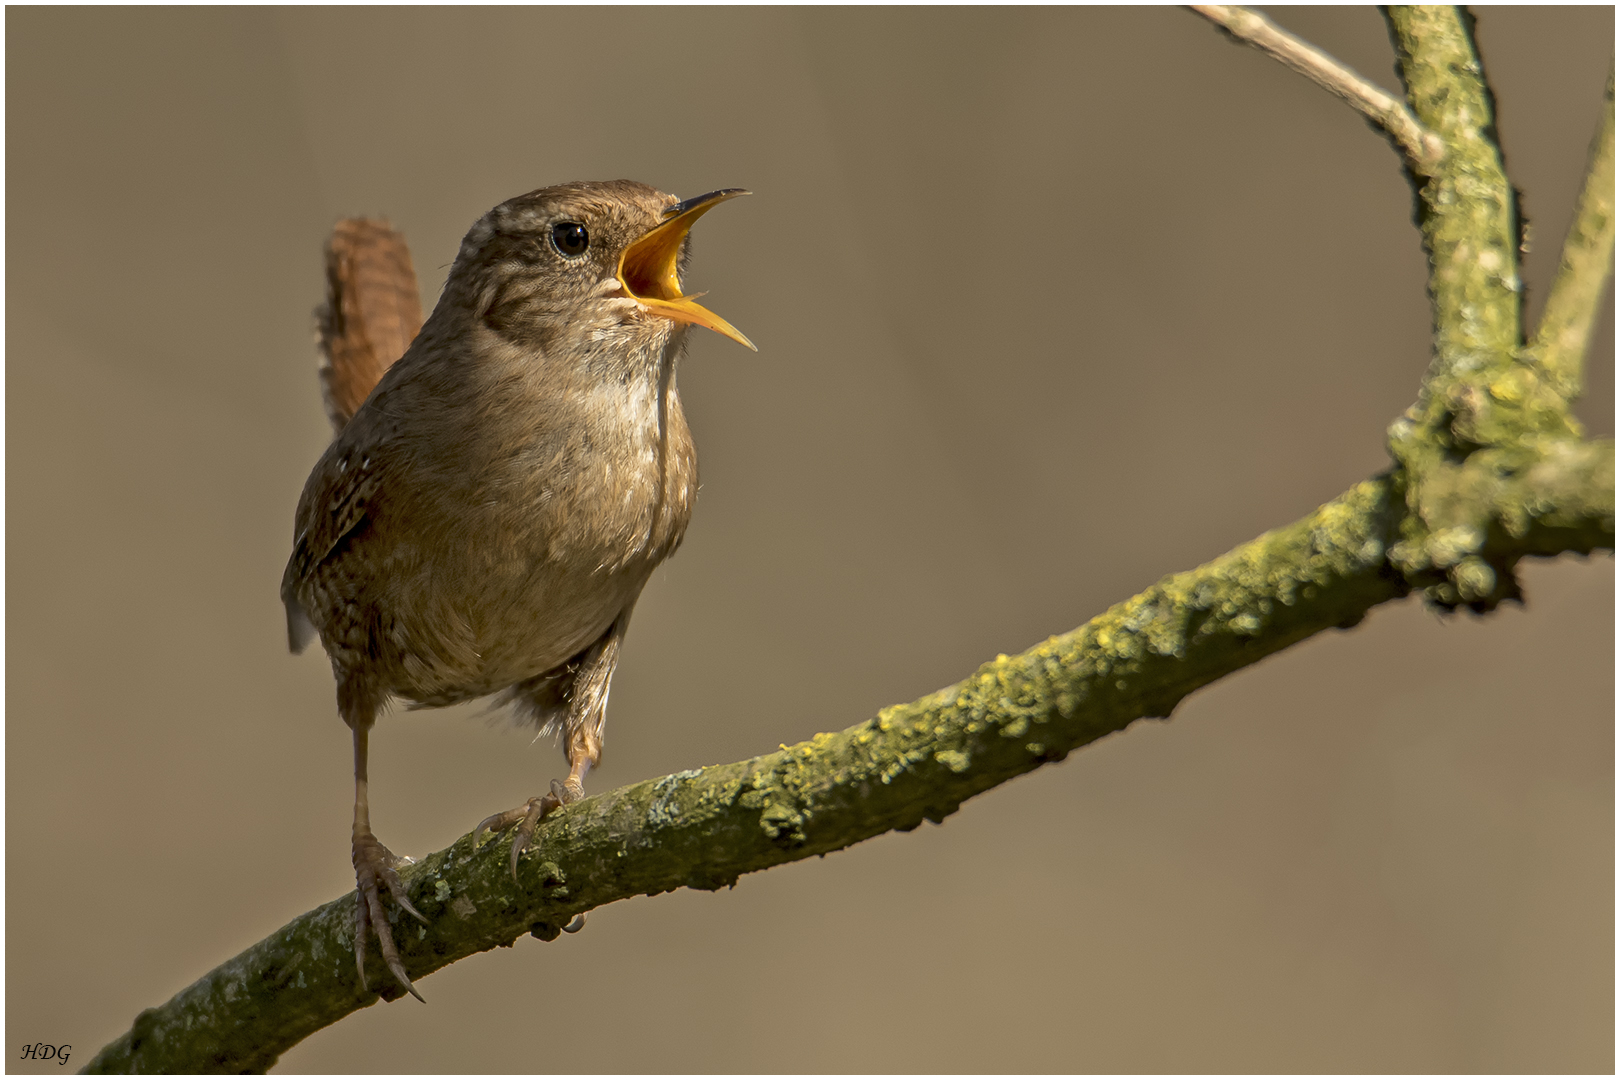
x=1584, y=267
x=1422, y=148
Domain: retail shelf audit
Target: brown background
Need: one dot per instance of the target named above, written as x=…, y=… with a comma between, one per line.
x=1049, y=303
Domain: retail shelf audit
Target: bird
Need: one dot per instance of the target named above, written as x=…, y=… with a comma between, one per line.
x=485, y=520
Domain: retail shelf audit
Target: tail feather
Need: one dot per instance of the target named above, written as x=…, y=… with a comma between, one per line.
x=371, y=315
x=300, y=631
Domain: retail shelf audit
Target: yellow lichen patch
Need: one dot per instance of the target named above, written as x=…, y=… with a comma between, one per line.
x=1510, y=386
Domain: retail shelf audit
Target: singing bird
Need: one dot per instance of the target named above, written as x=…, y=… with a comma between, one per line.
x=486, y=519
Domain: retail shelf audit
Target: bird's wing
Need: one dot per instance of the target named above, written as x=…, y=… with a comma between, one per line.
x=333, y=509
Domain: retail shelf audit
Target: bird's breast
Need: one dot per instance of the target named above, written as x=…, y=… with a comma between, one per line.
x=615, y=487
x=560, y=529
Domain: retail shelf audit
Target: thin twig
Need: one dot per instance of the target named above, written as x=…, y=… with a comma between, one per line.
x=1584, y=267
x=1422, y=148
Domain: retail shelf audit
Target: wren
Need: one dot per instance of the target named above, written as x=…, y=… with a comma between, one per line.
x=485, y=520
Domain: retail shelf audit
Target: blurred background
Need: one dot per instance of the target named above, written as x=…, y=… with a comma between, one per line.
x=1050, y=303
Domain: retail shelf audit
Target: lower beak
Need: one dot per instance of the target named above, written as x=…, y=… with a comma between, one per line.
x=648, y=271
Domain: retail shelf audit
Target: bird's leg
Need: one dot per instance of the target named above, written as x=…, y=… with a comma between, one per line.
x=374, y=864
x=585, y=697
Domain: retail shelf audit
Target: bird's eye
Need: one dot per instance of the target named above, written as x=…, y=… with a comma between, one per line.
x=570, y=238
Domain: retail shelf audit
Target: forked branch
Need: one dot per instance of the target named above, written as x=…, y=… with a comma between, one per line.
x=1421, y=148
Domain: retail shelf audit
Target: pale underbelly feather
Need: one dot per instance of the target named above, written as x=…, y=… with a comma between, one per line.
x=530, y=611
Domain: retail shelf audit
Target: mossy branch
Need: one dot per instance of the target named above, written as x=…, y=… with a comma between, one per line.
x=1488, y=412
x=1583, y=267
x=1467, y=210
x=1489, y=469
x=916, y=762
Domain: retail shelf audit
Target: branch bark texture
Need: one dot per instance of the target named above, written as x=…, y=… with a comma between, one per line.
x=1488, y=414
x=1584, y=268
x=1489, y=468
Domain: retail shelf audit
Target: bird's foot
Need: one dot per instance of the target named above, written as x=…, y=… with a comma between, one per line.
x=375, y=865
x=530, y=814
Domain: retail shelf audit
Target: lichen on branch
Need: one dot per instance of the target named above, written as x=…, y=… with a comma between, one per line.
x=1490, y=418
x=1583, y=267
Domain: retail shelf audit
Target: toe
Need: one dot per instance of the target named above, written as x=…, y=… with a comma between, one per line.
x=385, y=943
x=396, y=889
x=374, y=868
x=361, y=926
x=535, y=809
x=499, y=822
x=527, y=816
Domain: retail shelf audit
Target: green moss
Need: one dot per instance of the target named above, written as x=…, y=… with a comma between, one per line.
x=1489, y=412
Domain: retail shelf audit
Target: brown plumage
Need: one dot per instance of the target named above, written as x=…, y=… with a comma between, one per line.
x=372, y=312
x=487, y=518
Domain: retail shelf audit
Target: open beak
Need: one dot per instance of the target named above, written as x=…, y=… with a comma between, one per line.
x=648, y=272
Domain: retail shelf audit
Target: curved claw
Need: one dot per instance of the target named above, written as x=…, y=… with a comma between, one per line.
x=576, y=924
x=374, y=863
x=385, y=940
x=498, y=822
x=529, y=815
x=518, y=846
x=396, y=889
x=360, y=940
x=535, y=809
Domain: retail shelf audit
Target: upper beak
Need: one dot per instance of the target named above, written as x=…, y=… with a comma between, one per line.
x=648, y=272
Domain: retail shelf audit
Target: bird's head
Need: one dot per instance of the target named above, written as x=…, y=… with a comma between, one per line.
x=584, y=267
